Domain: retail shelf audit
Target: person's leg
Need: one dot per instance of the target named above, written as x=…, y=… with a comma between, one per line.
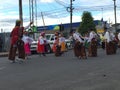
x=21, y=50
x=12, y=53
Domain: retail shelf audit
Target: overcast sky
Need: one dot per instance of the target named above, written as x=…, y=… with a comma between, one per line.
x=56, y=11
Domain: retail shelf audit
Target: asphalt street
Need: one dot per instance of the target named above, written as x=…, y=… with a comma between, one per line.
x=62, y=73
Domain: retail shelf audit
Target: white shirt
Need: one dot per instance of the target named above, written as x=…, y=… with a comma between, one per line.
x=107, y=36
x=27, y=39
x=61, y=39
x=41, y=40
x=119, y=36
x=91, y=36
x=77, y=37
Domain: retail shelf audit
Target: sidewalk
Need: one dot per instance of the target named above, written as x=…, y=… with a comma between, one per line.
x=3, y=54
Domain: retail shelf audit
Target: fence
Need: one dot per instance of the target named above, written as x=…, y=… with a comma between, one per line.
x=6, y=41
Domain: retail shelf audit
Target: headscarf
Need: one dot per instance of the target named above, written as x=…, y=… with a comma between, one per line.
x=42, y=33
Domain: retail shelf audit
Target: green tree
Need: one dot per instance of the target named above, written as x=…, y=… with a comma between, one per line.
x=87, y=23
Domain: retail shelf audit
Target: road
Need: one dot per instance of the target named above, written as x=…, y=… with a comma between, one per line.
x=62, y=73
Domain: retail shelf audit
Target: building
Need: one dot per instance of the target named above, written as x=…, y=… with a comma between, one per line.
x=61, y=27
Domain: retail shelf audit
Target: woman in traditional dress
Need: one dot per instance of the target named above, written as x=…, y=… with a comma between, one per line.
x=41, y=44
x=56, y=45
x=62, y=43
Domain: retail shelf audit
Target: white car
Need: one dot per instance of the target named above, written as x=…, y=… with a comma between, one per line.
x=50, y=38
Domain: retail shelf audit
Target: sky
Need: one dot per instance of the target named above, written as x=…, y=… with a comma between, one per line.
x=51, y=12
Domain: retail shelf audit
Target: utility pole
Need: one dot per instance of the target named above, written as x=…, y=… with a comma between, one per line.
x=115, y=15
x=71, y=13
x=20, y=12
x=43, y=20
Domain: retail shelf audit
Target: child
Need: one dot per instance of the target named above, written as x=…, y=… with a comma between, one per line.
x=27, y=41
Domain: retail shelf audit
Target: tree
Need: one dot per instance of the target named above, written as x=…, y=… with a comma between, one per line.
x=87, y=23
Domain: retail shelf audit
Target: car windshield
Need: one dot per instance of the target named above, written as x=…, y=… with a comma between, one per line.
x=48, y=37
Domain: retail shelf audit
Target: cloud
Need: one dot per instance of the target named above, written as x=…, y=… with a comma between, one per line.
x=44, y=1
x=55, y=13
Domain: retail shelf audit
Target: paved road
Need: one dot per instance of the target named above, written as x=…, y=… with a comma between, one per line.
x=62, y=73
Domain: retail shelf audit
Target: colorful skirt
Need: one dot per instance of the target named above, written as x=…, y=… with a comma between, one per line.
x=27, y=49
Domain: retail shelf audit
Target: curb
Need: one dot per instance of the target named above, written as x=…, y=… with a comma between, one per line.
x=3, y=54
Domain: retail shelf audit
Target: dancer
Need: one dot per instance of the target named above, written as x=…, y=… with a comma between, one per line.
x=79, y=48
x=16, y=42
x=27, y=41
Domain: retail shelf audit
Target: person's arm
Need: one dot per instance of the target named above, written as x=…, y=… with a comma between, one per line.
x=26, y=27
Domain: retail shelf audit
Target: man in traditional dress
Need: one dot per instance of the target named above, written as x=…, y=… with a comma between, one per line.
x=118, y=39
x=16, y=42
x=92, y=49
x=110, y=46
x=79, y=49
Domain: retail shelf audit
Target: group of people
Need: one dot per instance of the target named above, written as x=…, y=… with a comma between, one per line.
x=86, y=46
x=84, y=43
x=58, y=47
x=83, y=46
x=20, y=43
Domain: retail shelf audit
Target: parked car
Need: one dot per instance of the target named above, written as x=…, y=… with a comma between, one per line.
x=50, y=38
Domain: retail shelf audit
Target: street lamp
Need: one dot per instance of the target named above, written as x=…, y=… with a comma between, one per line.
x=115, y=14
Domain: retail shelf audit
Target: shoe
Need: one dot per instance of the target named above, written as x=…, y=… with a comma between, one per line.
x=43, y=54
x=12, y=61
x=20, y=59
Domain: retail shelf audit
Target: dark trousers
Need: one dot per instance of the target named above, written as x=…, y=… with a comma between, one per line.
x=13, y=49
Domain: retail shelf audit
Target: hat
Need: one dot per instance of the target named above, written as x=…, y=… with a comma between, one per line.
x=18, y=22
x=42, y=33
x=57, y=33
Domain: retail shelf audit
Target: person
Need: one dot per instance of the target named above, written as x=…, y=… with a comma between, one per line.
x=27, y=41
x=92, y=49
x=79, y=49
x=118, y=36
x=46, y=45
x=62, y=43
x=56, y=45
x=41, y=44
x=109, y=43
x=16, y=42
